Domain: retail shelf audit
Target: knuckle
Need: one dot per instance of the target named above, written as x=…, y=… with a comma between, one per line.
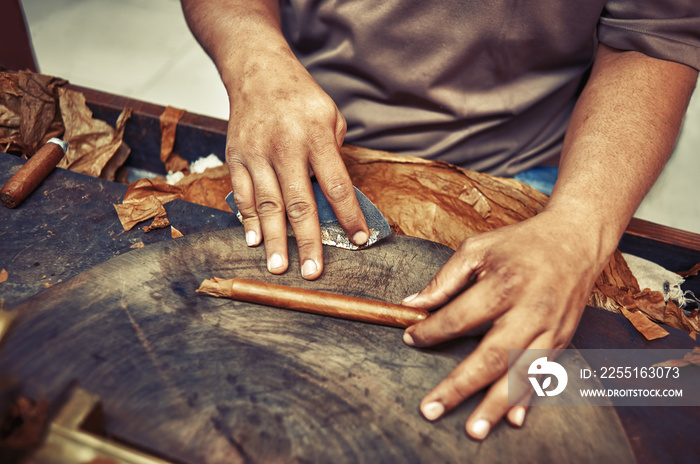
x=232, y=153
x=437, y=286
x=341, y=127
x=511, y=280
x=269, y=207
x=234, y=162
x=299, y=211
x=281, y=146
x=450, y=323
x=321, y=105
x=507, y=285
x=494, y=361
x=339, y=192
x=245, y=204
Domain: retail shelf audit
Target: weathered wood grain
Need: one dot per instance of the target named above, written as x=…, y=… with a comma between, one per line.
x=206, y=380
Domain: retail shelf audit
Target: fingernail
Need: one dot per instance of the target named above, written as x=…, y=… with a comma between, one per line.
x=251, y=238
x=310, y=267
x=409, y=298
x=408, y=340
x=360, y=238
x=517, y=416
x=480, y=429
x=275, y=262
x=432, y=411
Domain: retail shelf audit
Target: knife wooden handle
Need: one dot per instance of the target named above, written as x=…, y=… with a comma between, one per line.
x=311, y=301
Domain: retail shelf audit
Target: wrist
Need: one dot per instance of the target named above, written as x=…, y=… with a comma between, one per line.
x=245, y=59
x=591, y=233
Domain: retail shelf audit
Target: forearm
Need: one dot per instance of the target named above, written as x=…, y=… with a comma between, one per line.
x=236, y=33
x=622, y=132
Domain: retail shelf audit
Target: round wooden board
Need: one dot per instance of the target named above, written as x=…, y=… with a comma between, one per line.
x=199, y=379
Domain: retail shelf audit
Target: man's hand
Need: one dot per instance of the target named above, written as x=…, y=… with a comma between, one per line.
x=282, y=128
x=532, y=281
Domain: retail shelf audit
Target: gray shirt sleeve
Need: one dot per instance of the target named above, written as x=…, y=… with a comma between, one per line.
x=668, y=30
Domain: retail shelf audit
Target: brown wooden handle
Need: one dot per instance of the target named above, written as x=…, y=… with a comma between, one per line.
x=311, y=301
x=32, y=173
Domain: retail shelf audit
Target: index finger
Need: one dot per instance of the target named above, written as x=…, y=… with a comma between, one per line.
x=488, y=362
x=334, y=180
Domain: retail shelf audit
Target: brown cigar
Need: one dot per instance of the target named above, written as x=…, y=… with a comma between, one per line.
x=310, y=301
x=32, y=173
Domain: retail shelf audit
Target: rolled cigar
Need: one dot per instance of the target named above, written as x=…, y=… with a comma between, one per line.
x=311, y=301
x=32, y=173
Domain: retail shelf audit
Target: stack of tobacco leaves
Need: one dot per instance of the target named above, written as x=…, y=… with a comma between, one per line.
x=29, y=114
x=447, y=204
x=35, y=108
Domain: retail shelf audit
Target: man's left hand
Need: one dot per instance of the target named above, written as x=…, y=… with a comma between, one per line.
x=532, y=281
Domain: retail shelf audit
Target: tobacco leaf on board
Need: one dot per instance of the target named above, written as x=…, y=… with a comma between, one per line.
x=158, y=223
x=208, y=189
x=168, y=127
x=94, y=147
x=132, y=212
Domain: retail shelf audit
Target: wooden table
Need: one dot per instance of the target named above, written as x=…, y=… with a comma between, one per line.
x=68, y=226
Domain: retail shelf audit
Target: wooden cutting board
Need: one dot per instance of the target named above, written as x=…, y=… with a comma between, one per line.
x=204, y=380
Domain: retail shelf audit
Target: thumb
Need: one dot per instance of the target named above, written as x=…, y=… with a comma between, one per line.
x=459, y=271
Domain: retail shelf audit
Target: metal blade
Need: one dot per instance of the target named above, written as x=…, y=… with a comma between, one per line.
x=331, y=231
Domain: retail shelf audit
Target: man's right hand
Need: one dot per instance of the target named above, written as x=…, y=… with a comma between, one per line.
x=282, y=128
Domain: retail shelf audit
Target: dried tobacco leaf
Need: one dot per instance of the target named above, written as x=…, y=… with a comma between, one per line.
x=174, y=233
x=145, y=188
x=651, y=303
x=29, y=113
x=95, y=148
x=4, y=276
x=131, y=213
x=216, y=286
x=615, y=282
x=168, y=126
x=438, y=201
x=158, y=223
x=208, y=188
x=692, y=357
x=675, y=317
x=646, y=327
x=693, y=271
